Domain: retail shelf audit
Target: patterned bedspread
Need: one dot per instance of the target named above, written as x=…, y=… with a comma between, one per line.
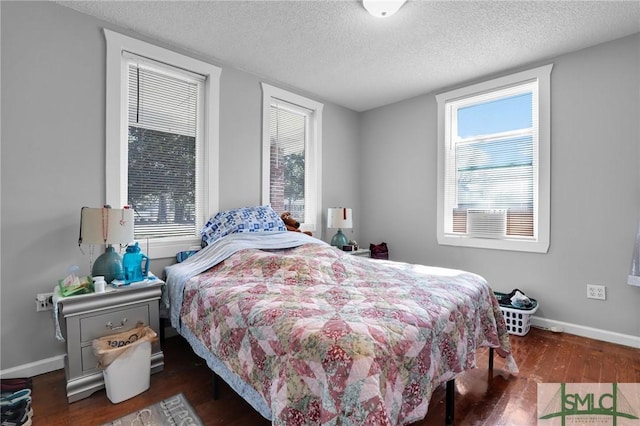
x=329, y=338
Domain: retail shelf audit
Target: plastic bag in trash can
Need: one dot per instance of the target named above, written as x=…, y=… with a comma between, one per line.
x=107, y=349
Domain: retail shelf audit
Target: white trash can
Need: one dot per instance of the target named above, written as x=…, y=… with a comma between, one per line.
x=128, y=375
x=126, y=362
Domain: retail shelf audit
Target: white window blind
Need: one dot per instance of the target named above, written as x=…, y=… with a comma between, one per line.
x=288, y=134
x=493, y=151
x=292, y=156
x=165, y=214
x=163, y=114
x=493, y=167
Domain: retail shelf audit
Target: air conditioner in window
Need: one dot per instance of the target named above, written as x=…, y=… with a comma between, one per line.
x=484, y=223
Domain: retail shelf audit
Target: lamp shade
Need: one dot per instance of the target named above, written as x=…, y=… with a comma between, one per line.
x=101, y=226
x=339, y=217
x=106, y=226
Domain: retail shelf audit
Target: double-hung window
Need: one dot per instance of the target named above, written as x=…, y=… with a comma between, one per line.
x=493, y=163
x=162, y=141
x=291, y=155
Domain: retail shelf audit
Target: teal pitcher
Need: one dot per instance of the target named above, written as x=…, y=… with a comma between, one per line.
x=132, y=264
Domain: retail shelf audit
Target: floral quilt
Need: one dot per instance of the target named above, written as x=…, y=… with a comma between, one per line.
x=329, y=338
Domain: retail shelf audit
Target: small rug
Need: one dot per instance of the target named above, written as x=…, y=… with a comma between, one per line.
x=175, y=410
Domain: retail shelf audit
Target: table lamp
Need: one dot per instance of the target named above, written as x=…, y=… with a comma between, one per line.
x=106, y=226
x=339, y=217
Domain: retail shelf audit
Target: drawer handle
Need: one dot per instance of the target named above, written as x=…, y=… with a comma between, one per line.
x=116, y=327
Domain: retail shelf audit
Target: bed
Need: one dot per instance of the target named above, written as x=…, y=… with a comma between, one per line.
x=308, y=334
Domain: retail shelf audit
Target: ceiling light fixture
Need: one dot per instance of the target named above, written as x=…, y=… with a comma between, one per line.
x=382, y=8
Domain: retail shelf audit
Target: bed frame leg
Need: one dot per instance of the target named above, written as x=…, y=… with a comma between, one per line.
x=491, y=359
x=162, y=326
x=450, y=394
x=215, y=388
x=449, y=402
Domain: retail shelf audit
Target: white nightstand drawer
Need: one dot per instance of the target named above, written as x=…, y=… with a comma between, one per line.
x=112, y=322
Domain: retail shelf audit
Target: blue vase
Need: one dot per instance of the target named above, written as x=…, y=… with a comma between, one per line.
x=108, y=265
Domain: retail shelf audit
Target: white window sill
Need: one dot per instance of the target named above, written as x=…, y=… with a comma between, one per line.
x=532, y=246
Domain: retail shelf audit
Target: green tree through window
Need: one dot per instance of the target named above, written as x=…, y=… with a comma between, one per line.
x=293, y=179
x=161, y=178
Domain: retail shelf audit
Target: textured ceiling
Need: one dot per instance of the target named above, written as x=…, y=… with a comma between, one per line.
x=338, y=52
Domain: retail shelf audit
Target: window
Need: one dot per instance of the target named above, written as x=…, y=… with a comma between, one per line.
x=494, y=163
x=162, y=141
x=291, y=155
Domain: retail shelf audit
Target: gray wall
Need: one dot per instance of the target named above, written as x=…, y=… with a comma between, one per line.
x=53, y=150
x=595, y=197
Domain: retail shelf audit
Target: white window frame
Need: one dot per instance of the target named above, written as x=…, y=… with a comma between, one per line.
x=117, y=131
x=313, y=153
x=542, y=162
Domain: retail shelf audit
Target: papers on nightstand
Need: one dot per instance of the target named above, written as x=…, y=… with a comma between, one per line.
x=151, y=279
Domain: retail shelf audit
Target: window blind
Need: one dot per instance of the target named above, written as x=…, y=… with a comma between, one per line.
x=162, y=102
x=491, y=179
x=288, y=132
x=163, y=115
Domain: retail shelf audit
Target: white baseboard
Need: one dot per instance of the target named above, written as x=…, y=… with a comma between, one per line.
x=583, y=331
x=34, y=368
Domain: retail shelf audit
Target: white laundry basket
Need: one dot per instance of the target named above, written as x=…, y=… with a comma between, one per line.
x=518, y=319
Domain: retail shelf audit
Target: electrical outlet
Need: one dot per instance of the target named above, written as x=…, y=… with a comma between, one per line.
x=596, y=292
x=44, y=302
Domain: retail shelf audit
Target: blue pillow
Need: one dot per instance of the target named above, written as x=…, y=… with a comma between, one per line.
x=244, y=219
x=181, y=256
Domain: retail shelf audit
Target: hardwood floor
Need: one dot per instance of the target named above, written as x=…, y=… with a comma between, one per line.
x=481, y=398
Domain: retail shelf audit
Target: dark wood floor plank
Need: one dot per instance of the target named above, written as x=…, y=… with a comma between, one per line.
x=482, y=399
x=530, y=354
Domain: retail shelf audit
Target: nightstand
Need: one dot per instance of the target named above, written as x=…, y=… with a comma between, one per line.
x=86, y=317
x=360, y=252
